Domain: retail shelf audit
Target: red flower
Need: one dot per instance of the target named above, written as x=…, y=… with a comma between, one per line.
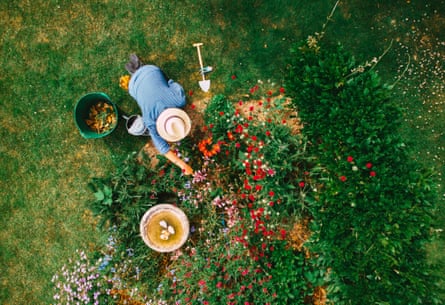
x=269, y=92
x=372, y=173
x=201, y=282
x=268, y=133
x=205, y=302
x=283, y=233
x=240, y=103
x=219, y=285
x=350, y=159
x=233, y=76
x=254, y=138
x=283, y=121
x=271, y=193
x=193, y=106
x=237, y=145
x=301, y=184
x=190, y=92
x=281, y=90
x=253, y=89
x=258, y=187
x=343, y=178
x=368, y=165
x=221, y=113
x=251, y=108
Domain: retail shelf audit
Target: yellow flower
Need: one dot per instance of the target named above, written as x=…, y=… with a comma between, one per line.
x=124, y=80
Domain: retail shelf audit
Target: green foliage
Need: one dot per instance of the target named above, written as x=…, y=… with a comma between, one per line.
x=290, y=268
x=372, y=217
x=121, y=201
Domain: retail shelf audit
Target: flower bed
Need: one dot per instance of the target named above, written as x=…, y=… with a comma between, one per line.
x=335, y=212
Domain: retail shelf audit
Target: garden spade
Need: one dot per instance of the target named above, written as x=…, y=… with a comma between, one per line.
x=204, y=83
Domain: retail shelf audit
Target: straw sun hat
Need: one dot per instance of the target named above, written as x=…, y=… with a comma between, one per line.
x=173, y=124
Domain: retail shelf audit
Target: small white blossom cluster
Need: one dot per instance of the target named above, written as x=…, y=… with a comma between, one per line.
x=83, y=281
x=78, y=284
x=230, y=209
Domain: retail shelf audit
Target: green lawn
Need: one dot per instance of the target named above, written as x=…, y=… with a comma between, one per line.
x=53, y=52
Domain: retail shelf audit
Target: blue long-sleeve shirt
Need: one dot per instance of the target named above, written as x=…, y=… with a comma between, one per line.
x=153, y=93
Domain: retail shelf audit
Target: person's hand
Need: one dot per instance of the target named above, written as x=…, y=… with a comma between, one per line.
x=187, y=170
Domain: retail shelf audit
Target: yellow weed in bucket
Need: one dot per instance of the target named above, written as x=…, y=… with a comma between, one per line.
x=95, y=115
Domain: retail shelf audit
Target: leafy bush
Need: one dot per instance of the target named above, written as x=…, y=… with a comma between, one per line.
x=372, y=215
x=122, y=200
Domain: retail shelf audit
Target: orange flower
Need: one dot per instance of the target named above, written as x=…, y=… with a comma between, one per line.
x=207, y=149
x=124, y=80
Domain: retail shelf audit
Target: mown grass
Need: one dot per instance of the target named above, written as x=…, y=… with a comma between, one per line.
x=53, y=52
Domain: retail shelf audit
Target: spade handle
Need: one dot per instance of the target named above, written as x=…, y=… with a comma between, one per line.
x=197, y=45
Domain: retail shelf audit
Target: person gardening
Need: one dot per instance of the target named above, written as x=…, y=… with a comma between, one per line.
x=160, y=101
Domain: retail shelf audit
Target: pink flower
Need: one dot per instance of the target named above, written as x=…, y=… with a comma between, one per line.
x=201, y=282
x=219, y=285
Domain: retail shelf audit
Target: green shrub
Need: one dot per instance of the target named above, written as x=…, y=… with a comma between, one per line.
x=372, y=215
